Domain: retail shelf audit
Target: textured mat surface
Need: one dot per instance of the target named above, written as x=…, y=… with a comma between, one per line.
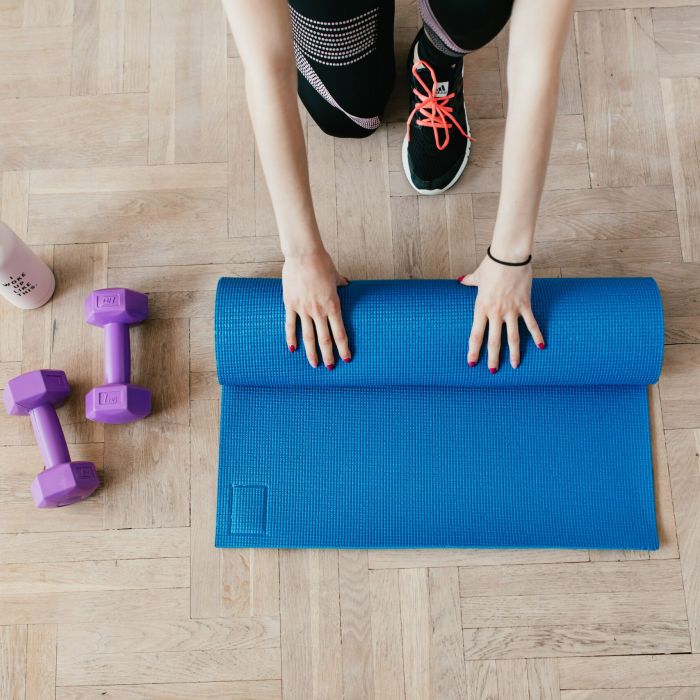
x=407, y=446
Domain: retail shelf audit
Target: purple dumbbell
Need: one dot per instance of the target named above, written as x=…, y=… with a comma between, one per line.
x=36, y=394
x=117, y=400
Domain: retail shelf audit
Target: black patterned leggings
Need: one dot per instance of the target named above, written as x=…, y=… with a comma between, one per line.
x=345, y=52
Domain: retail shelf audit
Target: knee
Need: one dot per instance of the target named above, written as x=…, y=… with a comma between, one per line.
x=332, y=120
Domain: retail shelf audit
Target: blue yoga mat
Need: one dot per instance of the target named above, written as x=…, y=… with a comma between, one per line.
x=407, y=446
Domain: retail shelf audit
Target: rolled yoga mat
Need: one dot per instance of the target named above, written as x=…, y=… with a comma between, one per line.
x=407, y=446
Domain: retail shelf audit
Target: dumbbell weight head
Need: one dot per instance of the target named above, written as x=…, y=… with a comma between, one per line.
x=117, y=400
x=64, y=481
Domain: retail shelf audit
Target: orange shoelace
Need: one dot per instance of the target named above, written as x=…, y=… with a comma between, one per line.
x=433, y=109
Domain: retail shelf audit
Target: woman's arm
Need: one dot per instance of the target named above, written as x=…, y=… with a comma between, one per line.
x=263, y=35
x=538, y=33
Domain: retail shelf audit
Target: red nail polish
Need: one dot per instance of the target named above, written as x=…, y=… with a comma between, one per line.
x=540, y=346
x=472, y=364
x=492, y=370
x=330, y=367
x=459, y=279
x=292, y=348
x=347, y=359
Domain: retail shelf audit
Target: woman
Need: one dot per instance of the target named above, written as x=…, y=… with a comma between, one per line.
x=339, y=56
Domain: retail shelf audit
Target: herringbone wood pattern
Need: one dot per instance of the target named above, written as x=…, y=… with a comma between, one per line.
x=126, y=158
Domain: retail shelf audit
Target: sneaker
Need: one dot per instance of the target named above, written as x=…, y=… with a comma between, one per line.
x=436, y=146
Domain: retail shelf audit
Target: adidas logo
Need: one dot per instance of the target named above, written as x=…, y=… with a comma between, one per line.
x=441, y=89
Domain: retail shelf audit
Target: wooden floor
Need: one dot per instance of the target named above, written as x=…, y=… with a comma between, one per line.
x=126, y=158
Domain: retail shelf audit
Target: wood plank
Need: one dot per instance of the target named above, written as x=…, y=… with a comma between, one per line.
x=45, y=132
x=549, y=641
x=631, y=607
x=48, y=13
x=93, y=606
x=169, y=635
x=110, y=46
x=461, y=234
x=386, y=635
x=406, y=235
x=94, y=545
x=364, y=227
x=35, y=61
x=241, y=156
x=543, y=679
x=212, y=690
x=676, y=693
x=630, y=672
x=310, y=617
x=560, y=579
x=13, y=661
x=187, y=107
x=434, y=241
x=171, y=667
x=512, y=679
x=58, y=577
x=601, y=200
x=414, y=558
x=41, y=662
x=679, y=387
x=677, y=40
x=684, y=467
x=144, y=205
x=665, y=517
x=355, y=624
x=681, y=96
x=206, y=579
x=186, y=278
x=14, y=193
x=482, y=679
x=414, y=595
x=624, y=116
x=148, y=472
x=447, y=669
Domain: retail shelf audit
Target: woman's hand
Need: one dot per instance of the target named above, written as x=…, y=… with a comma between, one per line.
x=310, y=284
x=503, y=296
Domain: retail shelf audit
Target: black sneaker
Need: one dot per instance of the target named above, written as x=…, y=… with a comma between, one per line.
x=436, y=146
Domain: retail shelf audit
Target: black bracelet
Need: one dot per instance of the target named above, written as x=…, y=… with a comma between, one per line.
x=510, y=264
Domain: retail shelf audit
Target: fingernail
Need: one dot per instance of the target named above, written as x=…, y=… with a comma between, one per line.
x=330, y=367
x=472, y=363
x=493, y=370
x=347, y=359
x=514, y=365
x=540, y=346
x=459, y=279
x=292, y=348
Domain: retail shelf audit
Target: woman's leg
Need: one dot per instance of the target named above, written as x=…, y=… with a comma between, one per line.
x=436, y=147
x=345, y=62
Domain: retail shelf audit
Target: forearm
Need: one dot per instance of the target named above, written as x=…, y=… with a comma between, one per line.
x=263, y=35
x=282, y=151
x=526, y=148
x=535, y=51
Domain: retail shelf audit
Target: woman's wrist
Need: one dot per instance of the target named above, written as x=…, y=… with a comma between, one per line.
x=512, y=247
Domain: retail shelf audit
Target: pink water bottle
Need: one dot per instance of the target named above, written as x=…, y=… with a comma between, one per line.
x=25, y=279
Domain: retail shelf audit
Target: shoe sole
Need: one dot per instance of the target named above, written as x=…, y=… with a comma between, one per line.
x=407, y=171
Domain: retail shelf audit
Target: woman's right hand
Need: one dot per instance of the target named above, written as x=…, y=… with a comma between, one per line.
x=310, y=286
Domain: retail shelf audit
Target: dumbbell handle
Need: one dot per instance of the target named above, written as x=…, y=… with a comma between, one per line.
x=49, y=435
x=117, y=354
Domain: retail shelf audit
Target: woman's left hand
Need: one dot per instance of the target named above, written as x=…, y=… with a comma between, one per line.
x=503, y=297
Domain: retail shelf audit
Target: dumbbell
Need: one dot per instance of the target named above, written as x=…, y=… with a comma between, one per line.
x=36, y=394
x=117, y=400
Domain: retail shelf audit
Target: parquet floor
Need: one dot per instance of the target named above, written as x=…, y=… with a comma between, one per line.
x=126, y=158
